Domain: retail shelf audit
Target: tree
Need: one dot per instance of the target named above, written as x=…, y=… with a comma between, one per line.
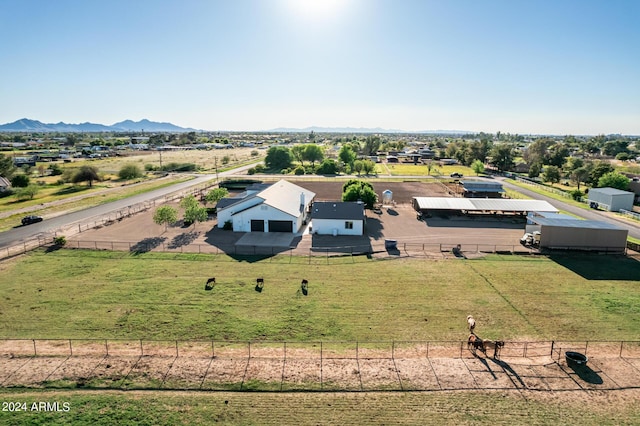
x=371, y=145
x=346, y=154
x=129, y=171
x=278, y=158
x=20, y=181
x=297, y=152
x=28, y=192
x=195, y=214
x=551, y=174
x=327, y=167
x=166, y=215
x=216, y=195
x=354, y=190
x=55, y=169
x=503, y=156
x=614, y=180
x=189, y=202
x=478, y=167
x=368, y=167
x=357, y=166
x=312, y=153
x=6, y=166
x=597, y=170
x=579, y=175
x=86, y=174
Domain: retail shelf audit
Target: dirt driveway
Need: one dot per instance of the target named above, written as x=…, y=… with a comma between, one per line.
x=399, y=223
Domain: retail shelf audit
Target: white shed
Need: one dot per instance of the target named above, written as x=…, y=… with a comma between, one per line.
x=337, y=218
x=611, y=199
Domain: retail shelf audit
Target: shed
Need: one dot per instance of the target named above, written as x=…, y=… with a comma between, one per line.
x=337, y=218
x=481, y=189
x=577, y=234
x=611, y=199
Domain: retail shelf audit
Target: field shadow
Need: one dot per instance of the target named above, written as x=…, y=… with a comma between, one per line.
x=341, y=244
x=473, y=221
x=598, y=267
x=183, y=239
x=71, y=190
x=146, y=245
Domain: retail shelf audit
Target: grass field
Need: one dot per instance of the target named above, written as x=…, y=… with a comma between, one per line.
x=371, y=408
x=87, y=294
x=401, y=169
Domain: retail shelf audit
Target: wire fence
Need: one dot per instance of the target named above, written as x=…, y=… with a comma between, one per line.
x=554, y=349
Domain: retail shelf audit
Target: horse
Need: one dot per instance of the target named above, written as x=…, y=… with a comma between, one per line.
x=496, y=345
x=471, y=322
x=474, y=343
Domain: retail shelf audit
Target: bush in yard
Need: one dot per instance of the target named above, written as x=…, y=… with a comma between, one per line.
x=129, y=171
x=60, y=241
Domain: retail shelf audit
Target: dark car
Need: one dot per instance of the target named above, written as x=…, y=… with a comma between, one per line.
x=28, y=220
x=456, y=175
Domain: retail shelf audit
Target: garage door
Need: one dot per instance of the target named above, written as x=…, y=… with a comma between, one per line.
x=280, y=226
x=257, y=226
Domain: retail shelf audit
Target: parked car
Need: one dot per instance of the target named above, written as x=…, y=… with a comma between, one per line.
x=456, y=175
x=28, y=220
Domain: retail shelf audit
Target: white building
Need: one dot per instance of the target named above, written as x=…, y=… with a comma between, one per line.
x=611, y=199
x=281, y=207
x=337, y=218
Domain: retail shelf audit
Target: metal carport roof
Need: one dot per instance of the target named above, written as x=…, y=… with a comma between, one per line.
x=483, y=204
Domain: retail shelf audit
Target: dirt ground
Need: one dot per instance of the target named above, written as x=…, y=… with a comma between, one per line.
x=430, y=237
x=202, y=366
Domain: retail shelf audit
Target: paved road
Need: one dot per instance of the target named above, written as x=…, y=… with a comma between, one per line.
x=634, y=230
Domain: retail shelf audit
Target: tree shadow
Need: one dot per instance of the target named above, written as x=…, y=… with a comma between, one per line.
x=598, y=267
x=146, y=245
x=183, y=239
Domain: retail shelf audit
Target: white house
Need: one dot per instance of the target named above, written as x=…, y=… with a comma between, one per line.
x=337, y=218
x=281, y=207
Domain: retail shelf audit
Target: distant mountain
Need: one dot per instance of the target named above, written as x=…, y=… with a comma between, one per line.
x=361, y=130
x=27, y=125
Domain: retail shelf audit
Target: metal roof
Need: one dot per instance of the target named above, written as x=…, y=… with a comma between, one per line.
x=479, y=186
x=337, y=210
x=483, y=204
x=287, y=197
x=609, y=191
x=575, y=223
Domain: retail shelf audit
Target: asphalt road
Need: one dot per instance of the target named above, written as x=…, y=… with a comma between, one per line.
x=634, y=230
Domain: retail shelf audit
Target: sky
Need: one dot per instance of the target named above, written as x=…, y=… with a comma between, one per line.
x=527, y=67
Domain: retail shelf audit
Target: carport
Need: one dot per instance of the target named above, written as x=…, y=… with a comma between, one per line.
x=444, y=206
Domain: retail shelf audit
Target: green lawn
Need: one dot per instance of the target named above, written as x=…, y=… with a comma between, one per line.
x=403, y=169
x=88, y=294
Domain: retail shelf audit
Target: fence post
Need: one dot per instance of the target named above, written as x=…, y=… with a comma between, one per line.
x=106, y=345
x=552, y=344
x=70, y=348
x=141, y=349
x=35, y=352
x=177, y=354
x=321, y=382
x=249, y=345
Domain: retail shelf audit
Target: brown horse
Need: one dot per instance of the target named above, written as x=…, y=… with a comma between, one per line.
x=474, y=343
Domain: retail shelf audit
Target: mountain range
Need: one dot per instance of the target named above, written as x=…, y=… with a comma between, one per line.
x=317, y=129
x=27, y=125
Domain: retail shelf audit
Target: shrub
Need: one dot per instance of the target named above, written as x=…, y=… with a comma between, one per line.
x=259, y=168
x=60, y=241
x=254, y=153
x=149, y=167
x=20, y=181
x=576, y=194
x=228, y=226
x=299, y=171
x=251, y=171
x=129, y=171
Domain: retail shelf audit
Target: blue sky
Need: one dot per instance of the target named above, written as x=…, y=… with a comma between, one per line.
x=558, y=67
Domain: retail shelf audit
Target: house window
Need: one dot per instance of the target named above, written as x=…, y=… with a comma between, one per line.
x=348, y=225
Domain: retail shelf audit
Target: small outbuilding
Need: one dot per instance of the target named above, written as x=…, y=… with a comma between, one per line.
x=337, y=218
x=481, y=189
x=611, y=199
